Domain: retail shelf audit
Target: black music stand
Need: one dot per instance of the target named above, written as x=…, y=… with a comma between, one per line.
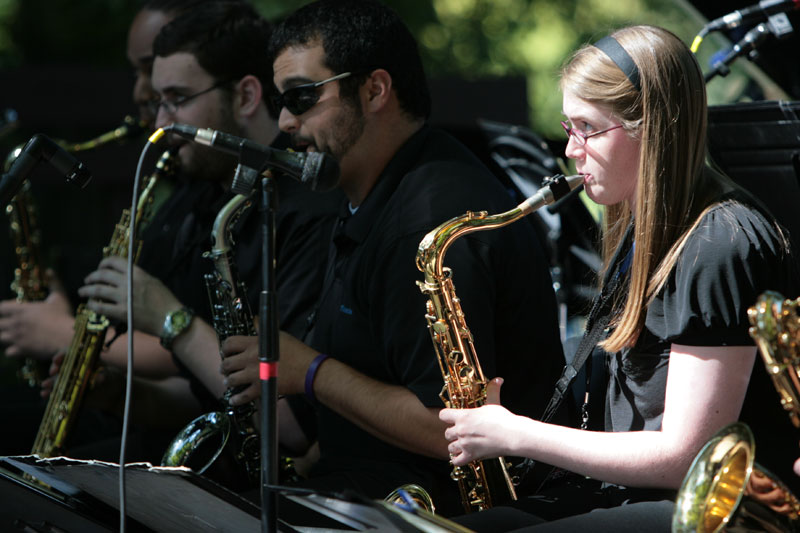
x=758, y=145
x=82, y=497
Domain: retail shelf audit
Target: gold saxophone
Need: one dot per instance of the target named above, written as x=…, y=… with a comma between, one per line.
x=718, y=492
x=30, y=284
x=83, y=353
x=482, y=483
x=231, y=315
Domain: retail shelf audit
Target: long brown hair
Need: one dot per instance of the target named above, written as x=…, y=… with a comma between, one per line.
x=669, y=115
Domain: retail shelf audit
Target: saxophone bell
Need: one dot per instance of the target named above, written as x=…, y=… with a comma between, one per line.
x=200, y=443
x=411, y=494
x=724, y=490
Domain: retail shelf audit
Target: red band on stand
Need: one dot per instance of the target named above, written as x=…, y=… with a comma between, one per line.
x=267, y=370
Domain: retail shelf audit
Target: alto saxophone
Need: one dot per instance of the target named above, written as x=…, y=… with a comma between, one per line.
x=29, y=284
x=83, y=354
x=231, y=315
x=482, y=483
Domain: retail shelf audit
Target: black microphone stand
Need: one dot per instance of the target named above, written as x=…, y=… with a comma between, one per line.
x=268, y=352
x=268, y=359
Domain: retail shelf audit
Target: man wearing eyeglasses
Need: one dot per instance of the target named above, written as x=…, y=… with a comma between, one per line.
x=351, y=84
x=208, y=73
x=41, y=329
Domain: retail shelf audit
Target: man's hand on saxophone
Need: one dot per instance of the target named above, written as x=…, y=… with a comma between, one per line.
x=194, y=343
x=107, y=293
x=240, y=366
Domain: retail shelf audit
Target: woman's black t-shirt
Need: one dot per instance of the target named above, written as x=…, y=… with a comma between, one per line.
x=735, y=254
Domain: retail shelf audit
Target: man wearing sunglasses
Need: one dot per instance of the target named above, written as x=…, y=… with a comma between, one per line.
x=210, y=70
x=351, y=83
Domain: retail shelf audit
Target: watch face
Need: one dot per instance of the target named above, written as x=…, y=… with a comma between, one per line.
x=180, y=319
x=174, y=324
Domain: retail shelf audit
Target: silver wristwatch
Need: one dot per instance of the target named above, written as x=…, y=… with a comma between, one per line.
x=175, y=323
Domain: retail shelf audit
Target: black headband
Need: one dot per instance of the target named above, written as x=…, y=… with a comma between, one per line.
x=618, y=55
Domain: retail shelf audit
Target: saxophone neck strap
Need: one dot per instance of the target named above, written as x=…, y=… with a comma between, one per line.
x=596, y=325
x=585, y=348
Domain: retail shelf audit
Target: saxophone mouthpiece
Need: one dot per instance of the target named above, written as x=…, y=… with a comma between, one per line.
x=553, y=189
x=560, y=186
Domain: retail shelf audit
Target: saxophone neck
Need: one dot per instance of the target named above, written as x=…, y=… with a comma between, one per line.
x=119, y=244
x=434, y=245
x=166, y=167
x=128, y=129
x=221, y=239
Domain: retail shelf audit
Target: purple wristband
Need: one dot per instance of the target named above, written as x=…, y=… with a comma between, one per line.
x=311, y=373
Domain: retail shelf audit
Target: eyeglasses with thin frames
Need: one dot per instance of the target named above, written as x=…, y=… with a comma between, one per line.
x=581, y=137
x=172, y=106
x=299, y=99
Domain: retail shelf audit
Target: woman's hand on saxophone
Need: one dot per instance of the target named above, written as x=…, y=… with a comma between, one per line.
x=107, y=292
x=479, y=433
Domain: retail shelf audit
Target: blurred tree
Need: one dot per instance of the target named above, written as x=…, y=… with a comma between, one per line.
x=470, y=39
x=474, y=39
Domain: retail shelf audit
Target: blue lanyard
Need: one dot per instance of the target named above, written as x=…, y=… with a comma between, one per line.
x=626, y=263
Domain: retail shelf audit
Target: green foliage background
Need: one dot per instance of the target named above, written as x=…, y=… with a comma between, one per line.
x=470, y=39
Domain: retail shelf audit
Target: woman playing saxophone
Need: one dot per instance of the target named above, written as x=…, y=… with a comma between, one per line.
x=686, y=252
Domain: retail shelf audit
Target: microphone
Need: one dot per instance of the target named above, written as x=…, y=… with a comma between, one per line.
x=754, y=13
x=746, y=45
x=317, y=170
x=41, y=148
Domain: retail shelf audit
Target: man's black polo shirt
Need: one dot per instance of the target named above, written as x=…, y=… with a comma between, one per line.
x=371, y=316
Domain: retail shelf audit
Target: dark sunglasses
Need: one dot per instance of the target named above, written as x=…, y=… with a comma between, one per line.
x=301, y=98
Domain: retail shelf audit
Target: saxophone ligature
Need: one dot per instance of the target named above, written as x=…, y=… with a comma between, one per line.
x=29, y=283
x=82, y=356
x=482, y=483
x=719, y=492
x=232, y=426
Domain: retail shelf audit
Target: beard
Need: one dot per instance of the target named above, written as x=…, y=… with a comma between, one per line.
x=348, y=130
x=348, y=126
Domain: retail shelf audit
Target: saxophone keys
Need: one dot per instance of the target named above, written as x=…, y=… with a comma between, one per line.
x=440, y=327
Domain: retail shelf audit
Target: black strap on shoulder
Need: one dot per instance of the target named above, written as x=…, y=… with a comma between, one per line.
x=596, y=324
x=587, y=344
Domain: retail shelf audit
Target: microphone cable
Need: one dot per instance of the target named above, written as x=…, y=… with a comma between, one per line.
x=152, y=140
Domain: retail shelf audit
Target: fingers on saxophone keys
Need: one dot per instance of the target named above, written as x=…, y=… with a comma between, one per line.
x=450, y=433
x=453, y=449
x=97, y=306
x=251, y=393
